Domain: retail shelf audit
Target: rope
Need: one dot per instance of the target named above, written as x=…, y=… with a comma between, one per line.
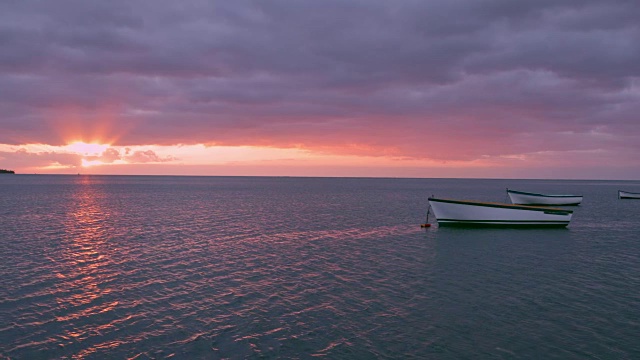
x=426, y=223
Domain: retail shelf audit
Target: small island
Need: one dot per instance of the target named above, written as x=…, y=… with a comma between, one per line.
x=3, y=171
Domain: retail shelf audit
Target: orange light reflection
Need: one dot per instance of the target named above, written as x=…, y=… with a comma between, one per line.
x=82, y=291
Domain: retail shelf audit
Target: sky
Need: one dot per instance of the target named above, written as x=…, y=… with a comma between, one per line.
x=408, y=88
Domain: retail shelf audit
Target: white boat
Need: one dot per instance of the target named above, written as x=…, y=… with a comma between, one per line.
x=476, y=213
x=628, y=195
x=527, y=198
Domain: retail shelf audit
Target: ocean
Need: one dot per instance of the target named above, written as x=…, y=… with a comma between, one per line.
x=152, y=267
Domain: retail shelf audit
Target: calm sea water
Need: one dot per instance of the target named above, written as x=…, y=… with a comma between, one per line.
x=237, y=267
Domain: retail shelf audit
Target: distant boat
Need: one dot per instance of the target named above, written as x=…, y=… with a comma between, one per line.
x=628, y=195
x=527, y=198
x=475, y=213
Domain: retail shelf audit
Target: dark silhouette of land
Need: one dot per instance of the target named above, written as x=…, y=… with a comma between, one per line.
x=3, y=171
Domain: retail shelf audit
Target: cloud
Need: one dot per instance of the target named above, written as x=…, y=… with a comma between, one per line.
x=24, y=159
x=148, y=156
x=112, y=155
x=439, y=79
x=47, y=157
x=108, y=156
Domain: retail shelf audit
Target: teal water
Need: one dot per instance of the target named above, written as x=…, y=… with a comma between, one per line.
x=239, y=267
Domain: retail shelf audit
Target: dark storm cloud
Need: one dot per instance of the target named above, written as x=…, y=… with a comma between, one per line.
x=446, y=79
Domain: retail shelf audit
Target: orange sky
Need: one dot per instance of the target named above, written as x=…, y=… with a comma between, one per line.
x=87, y=158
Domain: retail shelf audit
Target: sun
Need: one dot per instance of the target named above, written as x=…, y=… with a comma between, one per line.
x=90, y=163
x=83, y=148
x=90, y=153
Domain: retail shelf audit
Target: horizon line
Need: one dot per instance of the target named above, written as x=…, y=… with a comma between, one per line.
x=327, y=177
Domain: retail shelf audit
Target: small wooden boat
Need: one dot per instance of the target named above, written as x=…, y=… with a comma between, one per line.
x=527, y=198
x=628, y=195
x=475, y=213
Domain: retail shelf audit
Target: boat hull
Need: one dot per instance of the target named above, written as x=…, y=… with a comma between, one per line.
x=524, y=198
x=472, y=213
x=628, y=195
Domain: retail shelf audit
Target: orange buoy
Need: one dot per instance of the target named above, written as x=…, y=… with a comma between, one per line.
x=425, y=225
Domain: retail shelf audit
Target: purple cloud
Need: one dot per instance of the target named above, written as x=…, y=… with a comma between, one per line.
x=448, y=80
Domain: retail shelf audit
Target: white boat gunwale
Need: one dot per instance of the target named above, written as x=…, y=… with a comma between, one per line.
x=622, y=194
x=546, y=210
x=529, y=198
x=542, y=195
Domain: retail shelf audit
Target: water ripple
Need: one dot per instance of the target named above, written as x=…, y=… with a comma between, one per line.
x=154, y=267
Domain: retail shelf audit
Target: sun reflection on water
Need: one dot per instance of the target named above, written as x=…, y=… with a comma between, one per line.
x=83, y=290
